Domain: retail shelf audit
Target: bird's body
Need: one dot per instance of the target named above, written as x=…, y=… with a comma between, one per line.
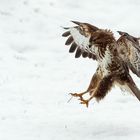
x=100, y=45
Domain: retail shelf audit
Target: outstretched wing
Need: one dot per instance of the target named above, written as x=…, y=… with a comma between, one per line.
x=79, y=39
x=129, y=50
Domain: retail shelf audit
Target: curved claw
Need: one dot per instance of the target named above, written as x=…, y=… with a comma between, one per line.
x=77, y=95
x=85, y=102
x=74, y=94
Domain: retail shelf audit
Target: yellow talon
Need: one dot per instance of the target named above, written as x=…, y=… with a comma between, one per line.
x=84, y=102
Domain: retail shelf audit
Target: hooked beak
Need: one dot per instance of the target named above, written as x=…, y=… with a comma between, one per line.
x=76, y=22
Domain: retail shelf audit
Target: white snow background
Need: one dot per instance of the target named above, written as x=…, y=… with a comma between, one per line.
x=37, y=72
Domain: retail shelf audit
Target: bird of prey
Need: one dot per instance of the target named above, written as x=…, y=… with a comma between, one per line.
x=89, y=41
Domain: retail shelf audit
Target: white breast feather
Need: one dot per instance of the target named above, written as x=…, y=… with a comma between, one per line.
x=79, y=39
x=105, y=61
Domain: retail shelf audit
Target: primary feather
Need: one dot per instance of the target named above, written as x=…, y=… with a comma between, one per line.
x=79, y=39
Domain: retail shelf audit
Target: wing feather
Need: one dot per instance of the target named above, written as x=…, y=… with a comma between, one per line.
x=73, y=47
x=134, y=61
x=85, y=54
x=133, y=69
x=79, y=42
x=65, y=34
x=78, y=53
x=129, y=50
x=69, y=40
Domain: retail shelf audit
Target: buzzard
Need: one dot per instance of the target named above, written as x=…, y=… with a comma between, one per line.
x=114, y=57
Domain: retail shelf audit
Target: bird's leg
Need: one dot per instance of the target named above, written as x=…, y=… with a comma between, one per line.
x=92, y=86
x=102, y=88
x=86, y=101
x=79, y=94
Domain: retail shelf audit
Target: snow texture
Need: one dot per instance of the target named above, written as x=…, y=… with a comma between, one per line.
x=37, y=72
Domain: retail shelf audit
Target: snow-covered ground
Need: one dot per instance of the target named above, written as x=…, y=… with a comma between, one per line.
x=37, y=72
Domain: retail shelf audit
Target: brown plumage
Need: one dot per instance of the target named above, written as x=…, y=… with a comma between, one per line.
x=129, y=50
x=101, y=45
x=73, y=47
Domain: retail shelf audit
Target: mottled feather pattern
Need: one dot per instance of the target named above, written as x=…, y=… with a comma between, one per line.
x=79, y=43
x=129, y=50
x=114, y=58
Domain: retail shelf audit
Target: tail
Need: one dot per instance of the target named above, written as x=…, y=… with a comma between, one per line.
x=134, y=89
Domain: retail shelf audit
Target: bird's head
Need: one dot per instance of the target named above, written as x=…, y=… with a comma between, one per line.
x=85, y=28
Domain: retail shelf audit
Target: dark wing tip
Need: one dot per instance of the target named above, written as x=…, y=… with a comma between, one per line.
x=85, y=54
x=73, y=47
x=78, y=53
x=69, y=40
x=65, y=34
x=90, y=55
